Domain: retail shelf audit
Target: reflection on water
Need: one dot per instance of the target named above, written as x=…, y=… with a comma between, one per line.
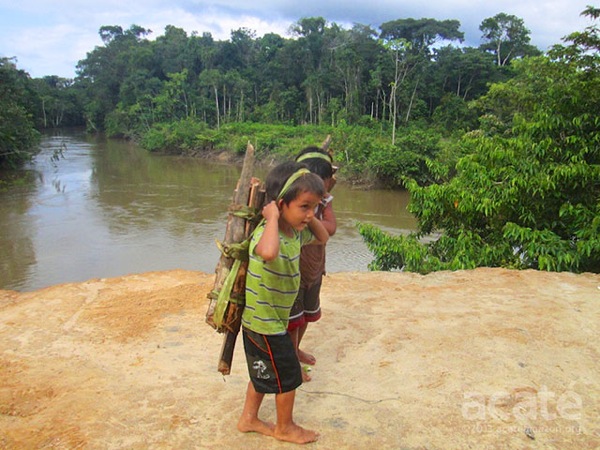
x=108, y=208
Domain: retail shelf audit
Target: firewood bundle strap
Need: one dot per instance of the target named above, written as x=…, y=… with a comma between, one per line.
x=239, y=251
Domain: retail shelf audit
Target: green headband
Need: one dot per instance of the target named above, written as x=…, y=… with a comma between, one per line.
x=314, y=155
x=290, y=181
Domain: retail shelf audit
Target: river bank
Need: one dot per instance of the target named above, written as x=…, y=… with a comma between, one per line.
x=486, y=358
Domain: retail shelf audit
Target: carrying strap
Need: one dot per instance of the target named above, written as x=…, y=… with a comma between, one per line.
x=311, y=155
x=290, y=181
x=224, y=295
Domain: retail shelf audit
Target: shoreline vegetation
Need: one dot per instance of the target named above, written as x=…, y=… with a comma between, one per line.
x=274, y=143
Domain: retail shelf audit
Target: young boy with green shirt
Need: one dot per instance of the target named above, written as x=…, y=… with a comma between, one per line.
x=272, y=283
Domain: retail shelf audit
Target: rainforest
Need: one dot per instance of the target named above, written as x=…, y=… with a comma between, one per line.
x=498, y=145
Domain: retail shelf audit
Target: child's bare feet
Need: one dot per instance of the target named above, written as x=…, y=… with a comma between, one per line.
x=255, y=425
x=306, y=358
x=296, y=434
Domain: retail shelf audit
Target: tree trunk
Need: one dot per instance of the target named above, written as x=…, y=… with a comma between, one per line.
x=217, y=106
x=412, y=99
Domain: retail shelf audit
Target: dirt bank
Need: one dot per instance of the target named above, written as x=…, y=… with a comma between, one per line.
x=478, y=359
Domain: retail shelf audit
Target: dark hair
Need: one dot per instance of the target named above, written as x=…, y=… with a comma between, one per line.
x=318, y=165
x=278, y=176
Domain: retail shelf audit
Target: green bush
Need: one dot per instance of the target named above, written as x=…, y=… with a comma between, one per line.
x=393, y=164
x=180, y=136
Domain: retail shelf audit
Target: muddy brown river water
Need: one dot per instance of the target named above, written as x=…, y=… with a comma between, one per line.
x=107, y=208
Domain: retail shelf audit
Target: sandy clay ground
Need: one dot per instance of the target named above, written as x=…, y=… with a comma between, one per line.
x=482, y=359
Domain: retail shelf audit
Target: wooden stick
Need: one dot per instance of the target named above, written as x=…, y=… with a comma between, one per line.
x=326, y=143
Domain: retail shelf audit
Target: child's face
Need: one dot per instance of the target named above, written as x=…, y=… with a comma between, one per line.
x=300, y=211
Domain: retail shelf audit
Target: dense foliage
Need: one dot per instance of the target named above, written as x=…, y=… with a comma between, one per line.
x=527, y=193
x=408, y=73
x=498, y=145
x=17, y=132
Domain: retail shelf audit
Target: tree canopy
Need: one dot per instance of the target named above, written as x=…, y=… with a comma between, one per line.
x=506, y=37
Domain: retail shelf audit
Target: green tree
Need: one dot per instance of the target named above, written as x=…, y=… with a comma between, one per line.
x=523, y=199
x=422, y=33
x=312, y=33
x=211, y=80
x=59, y=103
x=584, y=45
x=458, y=75
x=407, y=159
x=18, y=136
x=104, y=69
x=410, y=42
x=464, y=72
x=171, y=51
x=355, y=52
x=507, y=38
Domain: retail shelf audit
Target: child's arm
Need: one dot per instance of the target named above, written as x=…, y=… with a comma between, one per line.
x=329, y=221
x=268, y=245
x=319, y=231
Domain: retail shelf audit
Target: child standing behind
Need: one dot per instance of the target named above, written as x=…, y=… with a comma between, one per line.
x=307, y=307
x=272, y=283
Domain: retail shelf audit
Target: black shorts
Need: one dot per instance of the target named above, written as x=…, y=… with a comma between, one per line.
x=272, y=362
x=307, y=306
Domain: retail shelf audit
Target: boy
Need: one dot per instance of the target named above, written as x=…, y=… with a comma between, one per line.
x=272, y=284
x=307, y=307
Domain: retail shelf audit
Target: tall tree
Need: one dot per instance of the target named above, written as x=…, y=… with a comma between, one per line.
x=175, y=100
x=104, y=69
x=171, y=51
x=311, y=33
x=410, y=42
x=211, y=80
x=506, y=37
x=355, y=52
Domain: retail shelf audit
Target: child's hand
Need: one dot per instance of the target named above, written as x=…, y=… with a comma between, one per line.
x=271, y=211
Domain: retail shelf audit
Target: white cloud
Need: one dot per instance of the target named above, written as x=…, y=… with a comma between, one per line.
x=49, y=39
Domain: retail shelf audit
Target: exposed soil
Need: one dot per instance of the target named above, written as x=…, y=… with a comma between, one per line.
x=487, y=358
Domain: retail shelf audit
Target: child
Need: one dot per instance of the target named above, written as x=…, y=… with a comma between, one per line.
x=272, y=284
x=307, y=307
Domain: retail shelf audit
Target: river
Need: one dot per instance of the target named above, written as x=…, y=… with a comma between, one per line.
x=106, y=208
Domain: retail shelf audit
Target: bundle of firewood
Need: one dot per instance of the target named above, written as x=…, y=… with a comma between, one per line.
x=227, y=299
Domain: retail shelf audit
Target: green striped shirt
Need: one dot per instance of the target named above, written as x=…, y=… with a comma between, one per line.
x=272, y=287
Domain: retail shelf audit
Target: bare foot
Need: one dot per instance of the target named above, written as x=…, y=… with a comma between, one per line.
x=296, y=434
x=306, y=358
x=256, y=425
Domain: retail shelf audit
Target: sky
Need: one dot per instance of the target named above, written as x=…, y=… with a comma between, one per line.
x=49, y=37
